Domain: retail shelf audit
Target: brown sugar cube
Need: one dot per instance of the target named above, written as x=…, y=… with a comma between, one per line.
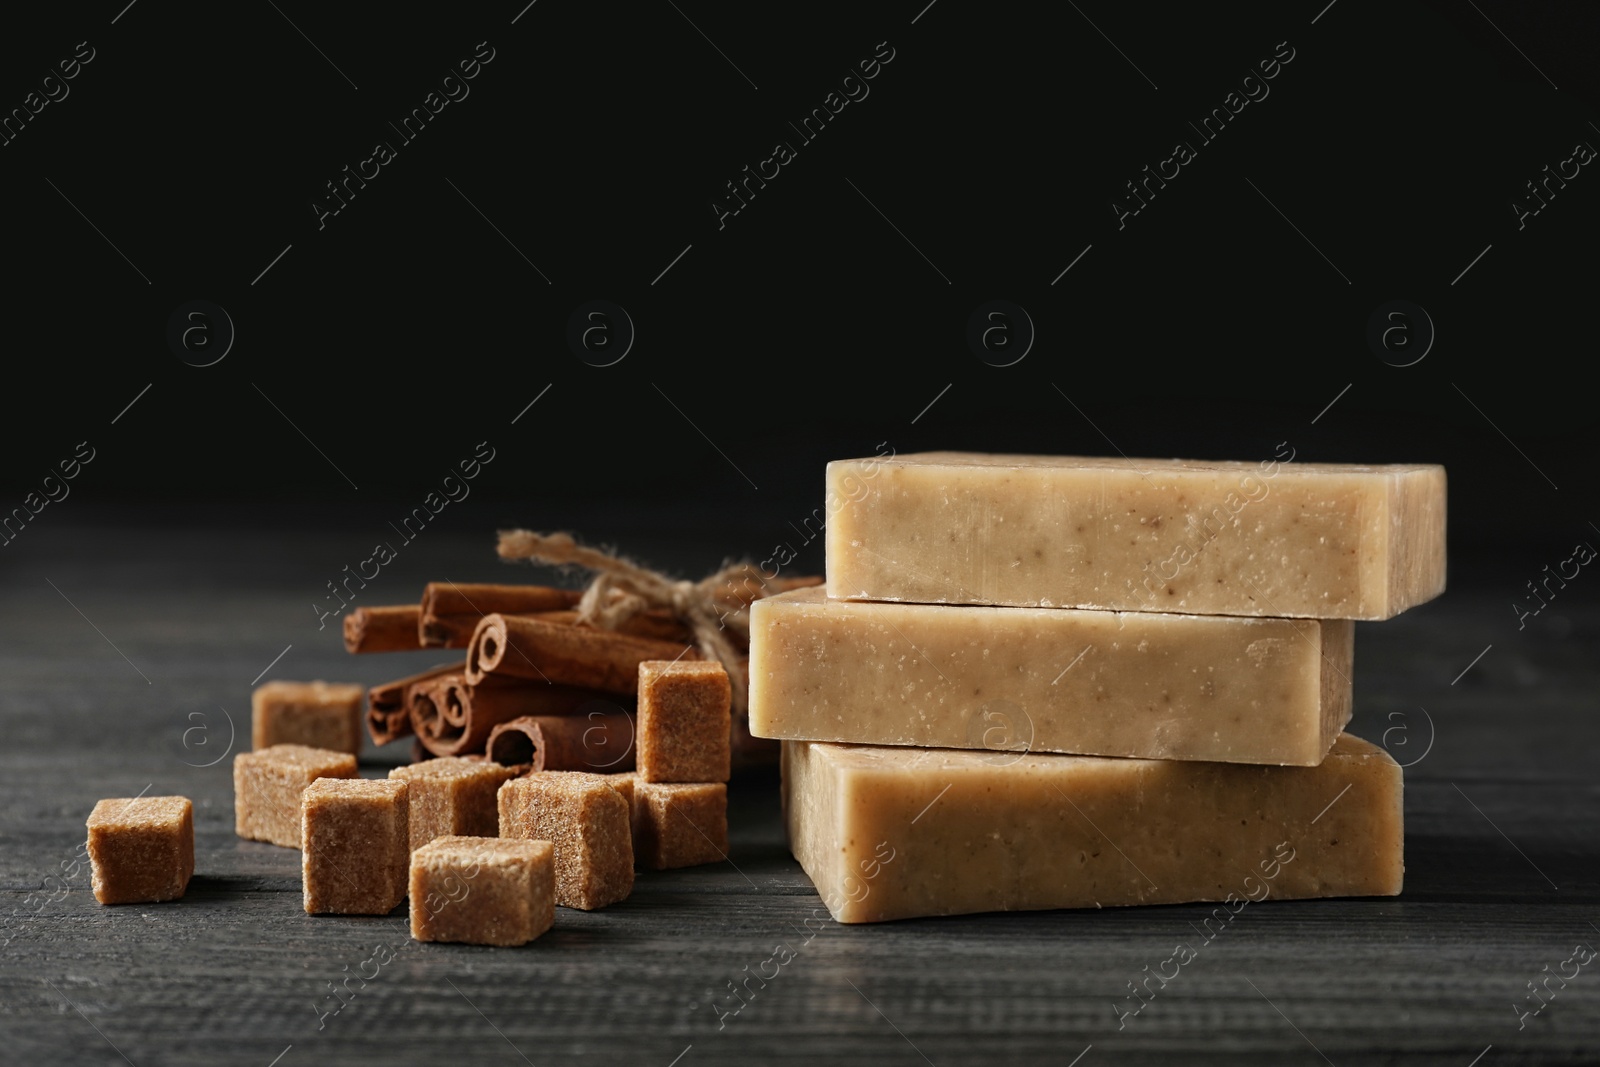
x=622, y=782
x=356, y=845
x=679, y=824
x=587, y=820
x=482, y=890
x=141, y=850
x=318, y=714
x=267, y=787
x=452, y=795
x=684, y=721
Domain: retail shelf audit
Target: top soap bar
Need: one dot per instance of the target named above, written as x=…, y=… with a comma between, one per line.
x=1201, y=537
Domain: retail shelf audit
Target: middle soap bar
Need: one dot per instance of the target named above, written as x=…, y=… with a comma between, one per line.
x=1177, y=687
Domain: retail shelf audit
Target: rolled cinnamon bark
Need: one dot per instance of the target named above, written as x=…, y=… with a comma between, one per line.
x=656, y=624
x=385, y=726
x=449, y=613
x=426, y=706
x=448, y=631
x=453, y=718
x=455, y=631
x=520, y=741
x=599, y=740
x=525, y=647
x=382, y=629
x=450, y=610
x=389, y=709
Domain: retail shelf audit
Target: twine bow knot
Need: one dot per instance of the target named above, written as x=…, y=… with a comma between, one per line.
x=621, y=589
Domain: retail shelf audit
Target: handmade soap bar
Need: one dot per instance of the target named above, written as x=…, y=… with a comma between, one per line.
x=357, y=846
x=141, y=849
x=679, y=824
x=893, y=833
x=588, y=821
x=1013, y=680
x=317, y=714
x=482, y=890
x=1311, y=540
x=267, y=787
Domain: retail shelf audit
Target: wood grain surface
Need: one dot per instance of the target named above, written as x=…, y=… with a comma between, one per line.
x=127, y=667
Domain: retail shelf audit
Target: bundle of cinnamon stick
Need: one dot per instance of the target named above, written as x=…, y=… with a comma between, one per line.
x=537, y=686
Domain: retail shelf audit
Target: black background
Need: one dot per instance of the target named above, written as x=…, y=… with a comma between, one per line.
x=407, y=329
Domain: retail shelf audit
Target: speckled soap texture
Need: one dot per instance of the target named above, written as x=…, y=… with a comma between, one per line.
x=1193, y=687
x=896, y=833
x=1271, y=538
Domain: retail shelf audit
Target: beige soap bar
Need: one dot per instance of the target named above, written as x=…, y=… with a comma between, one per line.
x=1014, y=680
x=894, y=833
x=1309, y=540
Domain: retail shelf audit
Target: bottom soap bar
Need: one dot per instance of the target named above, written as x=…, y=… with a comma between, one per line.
x=896, y=833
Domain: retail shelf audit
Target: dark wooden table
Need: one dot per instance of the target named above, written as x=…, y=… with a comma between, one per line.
x=128, y=657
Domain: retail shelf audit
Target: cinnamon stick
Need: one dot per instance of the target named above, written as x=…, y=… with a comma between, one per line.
x=655, y=624
x=382, y=629
x=452, y=718
x=450, y=613
x=526, y=647
x=388, y=709
x=455, y=631
x=600, y=741
x=447, y=607
x=448, y=631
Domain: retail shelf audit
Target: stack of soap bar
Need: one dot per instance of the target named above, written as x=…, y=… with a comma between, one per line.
x=1007, y=623
x=1048, y=680
x=892, y=833
x=1311, y=540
